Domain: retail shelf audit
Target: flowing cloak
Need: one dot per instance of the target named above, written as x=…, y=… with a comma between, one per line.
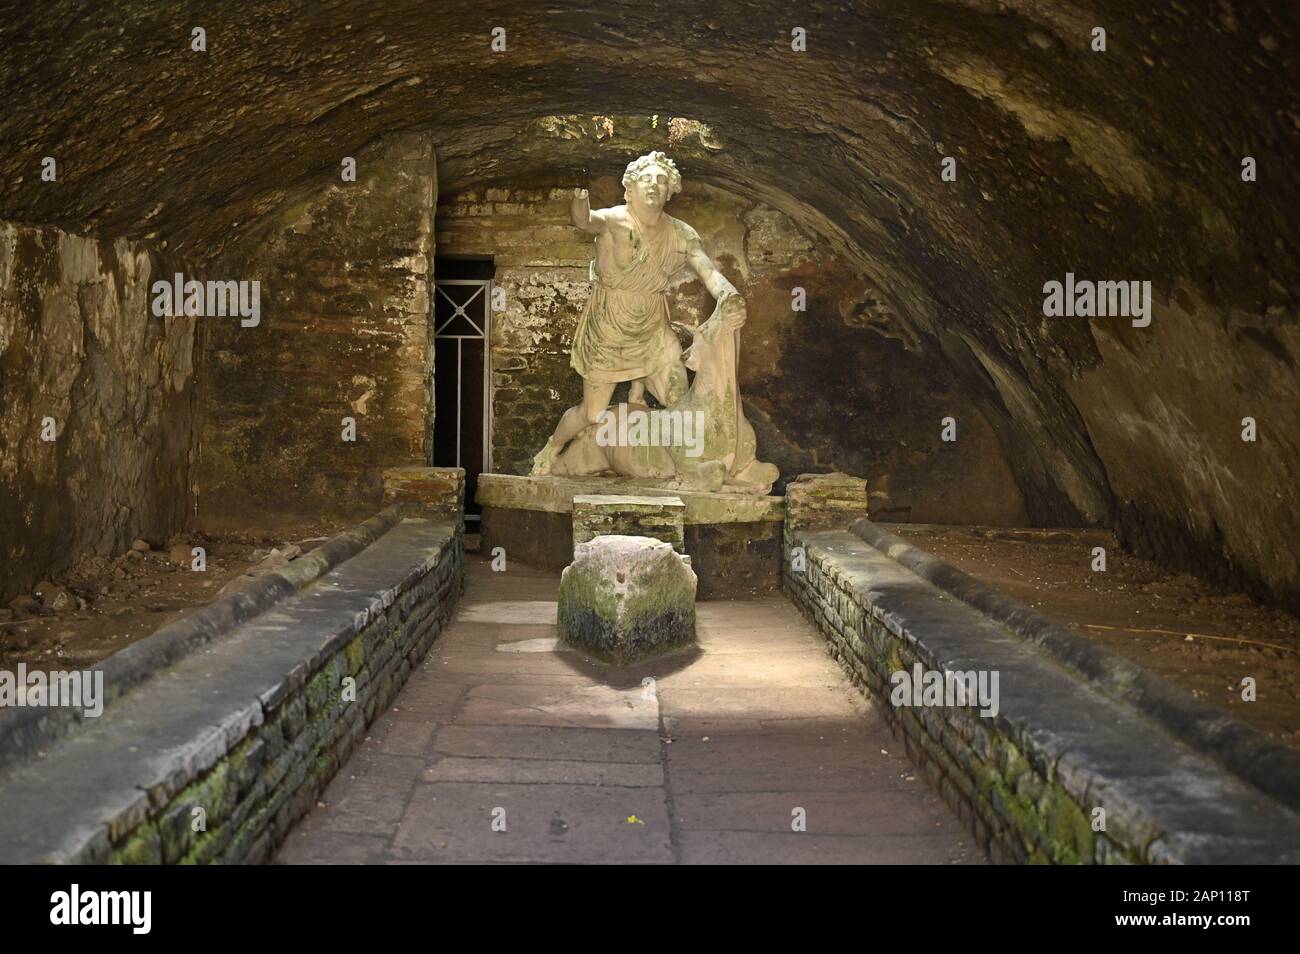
x=624, y=332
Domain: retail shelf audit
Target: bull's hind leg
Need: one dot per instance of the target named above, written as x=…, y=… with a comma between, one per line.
x=705, y=475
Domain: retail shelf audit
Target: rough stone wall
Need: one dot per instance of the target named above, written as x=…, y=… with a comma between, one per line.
x=79, y=344
x=655, y=517
x=834, y=387
x=435, y=492
x=1176, y=461
x=344, y=275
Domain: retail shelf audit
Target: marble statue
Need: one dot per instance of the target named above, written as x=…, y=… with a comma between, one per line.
x=625, y=334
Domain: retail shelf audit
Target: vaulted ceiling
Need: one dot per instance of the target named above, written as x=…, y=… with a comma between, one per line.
x=1122, y=164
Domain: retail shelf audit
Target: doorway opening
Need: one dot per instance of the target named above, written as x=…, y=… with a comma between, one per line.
x=462, y=328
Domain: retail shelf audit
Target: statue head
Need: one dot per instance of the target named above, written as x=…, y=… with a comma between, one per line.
x=650, y=181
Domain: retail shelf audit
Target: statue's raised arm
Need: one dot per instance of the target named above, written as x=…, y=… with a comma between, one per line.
x=583, y=217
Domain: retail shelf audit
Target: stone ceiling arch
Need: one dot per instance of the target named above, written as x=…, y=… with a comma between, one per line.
x=1118, y=165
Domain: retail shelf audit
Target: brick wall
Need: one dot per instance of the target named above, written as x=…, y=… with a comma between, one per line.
x=344, y=333
x=1014, y=812
x=274, y=775
x=252, y=756
x=541, y=265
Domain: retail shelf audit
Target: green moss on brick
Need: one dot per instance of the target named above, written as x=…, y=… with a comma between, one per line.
x=1069, y=832
x=1011, y=763
x=356, y=655
x=324, y=688
x=142, y=847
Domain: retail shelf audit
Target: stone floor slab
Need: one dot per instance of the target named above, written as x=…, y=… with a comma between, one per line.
x=363, y=805
x=564, y=824
x=787, y=762
x=776, y=702
x=559, y=771
x=549, y=742
x=518, y=612
x=885, y=813
x=796, y=848
x=596, y=707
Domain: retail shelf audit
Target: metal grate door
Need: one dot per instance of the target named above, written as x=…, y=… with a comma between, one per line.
x=462, y=422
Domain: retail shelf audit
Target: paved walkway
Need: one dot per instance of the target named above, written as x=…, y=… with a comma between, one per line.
x=713, y=761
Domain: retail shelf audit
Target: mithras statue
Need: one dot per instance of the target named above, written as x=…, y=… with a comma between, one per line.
x=702, y=439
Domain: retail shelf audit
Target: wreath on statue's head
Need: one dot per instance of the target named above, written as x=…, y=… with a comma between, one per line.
x=656, y=158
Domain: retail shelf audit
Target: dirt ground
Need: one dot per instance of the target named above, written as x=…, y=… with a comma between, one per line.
x=1200, y=637
x=105, y=603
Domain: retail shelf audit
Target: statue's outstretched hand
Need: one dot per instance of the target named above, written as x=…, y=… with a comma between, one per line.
x=733, y=312
x=581, y=209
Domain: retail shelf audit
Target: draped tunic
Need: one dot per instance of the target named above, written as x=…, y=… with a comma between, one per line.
x=624, y=331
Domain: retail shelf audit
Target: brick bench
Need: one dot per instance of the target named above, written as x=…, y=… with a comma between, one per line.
x=1030, y=780
x=245, y=733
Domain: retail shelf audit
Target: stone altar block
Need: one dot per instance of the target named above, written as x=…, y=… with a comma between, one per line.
x=625, y=598
x=427, y=491
x=660, y=518
x=824, y=501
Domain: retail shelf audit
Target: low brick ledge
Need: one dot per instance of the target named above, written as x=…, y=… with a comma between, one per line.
x=1269, y=766
x=249, y=730
x=25, y=731
x=1026, y=782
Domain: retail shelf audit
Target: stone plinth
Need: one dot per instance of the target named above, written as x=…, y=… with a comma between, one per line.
x=824, y=502
x=660, y=518
x=625, y=598
x=426, y=491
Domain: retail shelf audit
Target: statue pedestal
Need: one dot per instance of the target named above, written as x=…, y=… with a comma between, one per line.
x=734, y=540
